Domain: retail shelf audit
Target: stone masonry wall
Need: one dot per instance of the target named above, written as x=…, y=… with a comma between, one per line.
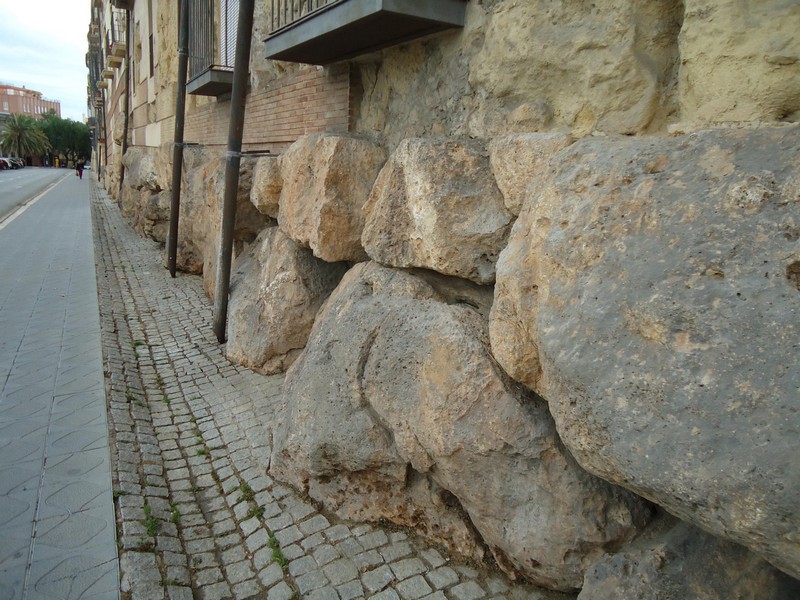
x=540, y=300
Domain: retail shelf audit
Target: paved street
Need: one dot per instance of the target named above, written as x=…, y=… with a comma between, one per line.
x=197, y=514
x=56, y=512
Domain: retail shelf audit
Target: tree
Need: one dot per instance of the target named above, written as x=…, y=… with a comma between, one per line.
x=23, y=137
x=67, y=137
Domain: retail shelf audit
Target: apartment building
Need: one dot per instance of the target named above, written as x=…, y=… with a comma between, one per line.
x=23, y=101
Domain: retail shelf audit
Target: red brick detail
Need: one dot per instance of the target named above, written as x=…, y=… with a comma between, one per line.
x=309, y=100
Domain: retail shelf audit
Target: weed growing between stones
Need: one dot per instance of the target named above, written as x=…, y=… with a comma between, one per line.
x=151, y=524
x=247, y=493
x=277, y=555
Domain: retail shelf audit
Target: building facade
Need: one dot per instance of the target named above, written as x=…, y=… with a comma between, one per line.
x=22, y=101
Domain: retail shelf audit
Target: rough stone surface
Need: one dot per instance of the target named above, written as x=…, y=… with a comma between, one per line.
x=326, y=181
x=528, y=66
x=267, y=184
x=436, y=205
x=604, y=67
x=201, y=213
x=277, y=287
x=650, y=294
x=680, y=561
x=142, y=199
x=740, y=61
x=359, y=430
x=155, y=216
x=520, y=159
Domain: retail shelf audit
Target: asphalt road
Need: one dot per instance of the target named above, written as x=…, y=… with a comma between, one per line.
x=20, y=185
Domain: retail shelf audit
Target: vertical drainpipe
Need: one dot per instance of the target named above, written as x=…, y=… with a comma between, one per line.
x=244, y=33
x=127, y=103
x=177, y=147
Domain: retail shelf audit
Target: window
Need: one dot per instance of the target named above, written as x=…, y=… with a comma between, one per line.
x=229, y=19
x=212, y=46
x=5, y=105
x=151, y=38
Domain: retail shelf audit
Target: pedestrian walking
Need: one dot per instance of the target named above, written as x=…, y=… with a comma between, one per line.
x=79, y=168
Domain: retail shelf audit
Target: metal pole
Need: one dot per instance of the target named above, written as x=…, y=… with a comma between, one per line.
x=177, y=148
x=244, y=34
x=127, y=103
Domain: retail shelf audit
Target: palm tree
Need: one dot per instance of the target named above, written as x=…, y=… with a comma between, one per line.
x=23, y=137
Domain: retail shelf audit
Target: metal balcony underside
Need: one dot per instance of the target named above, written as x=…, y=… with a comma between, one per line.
x=214, y=81
x=350, y=28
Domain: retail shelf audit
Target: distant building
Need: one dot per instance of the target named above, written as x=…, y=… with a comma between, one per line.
x=22, y=101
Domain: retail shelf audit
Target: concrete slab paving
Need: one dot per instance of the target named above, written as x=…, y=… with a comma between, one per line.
x=57, y=522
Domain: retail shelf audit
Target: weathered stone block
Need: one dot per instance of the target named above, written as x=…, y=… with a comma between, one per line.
x=436, y=205
x=678, y=561
x=647, y=292
x=601, y=67
x=326, y=181
x=397, y=410
x=521, y=159
x=277, y=287
x=267, y=184
x=740, y=61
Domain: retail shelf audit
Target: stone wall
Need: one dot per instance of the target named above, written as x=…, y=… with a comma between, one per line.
x=541, y=303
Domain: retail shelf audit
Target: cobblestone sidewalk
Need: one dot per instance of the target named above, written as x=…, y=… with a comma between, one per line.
x=198, y=516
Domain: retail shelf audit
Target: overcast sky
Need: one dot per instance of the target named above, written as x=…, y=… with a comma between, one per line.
x=43, y=47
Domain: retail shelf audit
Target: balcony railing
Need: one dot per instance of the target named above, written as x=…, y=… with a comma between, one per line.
x=327, y=31
x=212, y=48
x=283, y=13
x=118, y=32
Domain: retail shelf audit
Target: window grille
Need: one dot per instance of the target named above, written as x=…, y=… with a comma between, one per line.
x=229, y=18
x=118, y=26
x=212, y=35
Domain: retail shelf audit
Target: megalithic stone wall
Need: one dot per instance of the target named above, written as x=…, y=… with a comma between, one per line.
x=536, y=291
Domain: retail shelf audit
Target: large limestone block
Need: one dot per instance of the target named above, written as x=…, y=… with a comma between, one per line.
x=277, y=287
x=142, y=170
x=677, y=562
x=521, y=158
x=155, y=216
x=326, y=181
x=397, y=381
x=143, y=192
x=650, y=293
x=201, y=213
x=436, y=205
x=740, y=61
x=267, y=184
x=200, y=168
x=603, y=65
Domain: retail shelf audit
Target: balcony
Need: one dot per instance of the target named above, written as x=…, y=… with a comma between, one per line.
x=212, y=47
x=108, y=73
x=322, y=32
x=102, y=84
x=117, y=49
x=113, y=60
x=118, y=32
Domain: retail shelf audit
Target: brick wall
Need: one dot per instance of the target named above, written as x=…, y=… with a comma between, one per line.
x=309, y=100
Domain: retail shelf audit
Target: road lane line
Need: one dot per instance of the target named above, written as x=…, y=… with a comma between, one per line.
x=23, y=207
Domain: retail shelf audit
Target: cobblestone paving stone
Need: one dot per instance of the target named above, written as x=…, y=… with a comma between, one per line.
x=198, y=515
